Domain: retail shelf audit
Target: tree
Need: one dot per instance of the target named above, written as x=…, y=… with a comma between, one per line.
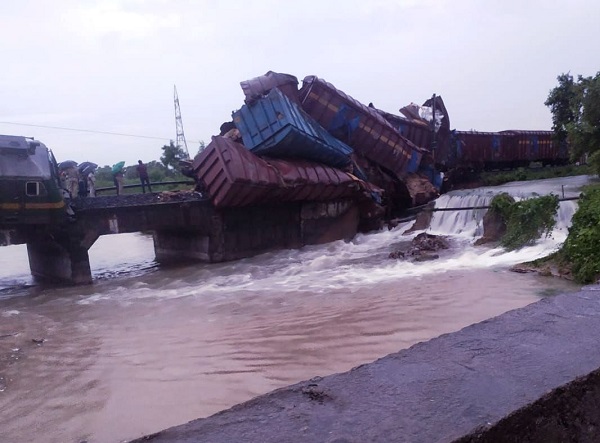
x=172, y=155
x=575, y=107
x=201, y=147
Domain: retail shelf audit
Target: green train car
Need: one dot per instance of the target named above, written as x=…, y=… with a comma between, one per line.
x=30, y=191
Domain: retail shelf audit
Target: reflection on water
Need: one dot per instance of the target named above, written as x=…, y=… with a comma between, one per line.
x=145, y=348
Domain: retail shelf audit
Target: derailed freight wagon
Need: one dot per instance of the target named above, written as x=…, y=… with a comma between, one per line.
x=30, y=190
x=274, y=126
x=232, y=176
x=416, y=130
x=257, y=87
x=359, y=126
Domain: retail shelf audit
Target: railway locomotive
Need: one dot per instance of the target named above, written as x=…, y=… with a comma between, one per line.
x=30, y=191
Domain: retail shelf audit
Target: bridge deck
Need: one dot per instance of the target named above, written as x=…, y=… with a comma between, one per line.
x=129, y=200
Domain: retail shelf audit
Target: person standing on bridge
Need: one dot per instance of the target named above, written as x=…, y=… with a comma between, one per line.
x=118, y=181
x=142, y=171
x=91, y=183
x=72, y=180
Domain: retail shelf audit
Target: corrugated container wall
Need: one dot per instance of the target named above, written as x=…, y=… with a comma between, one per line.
x=233, y=176
x=276, y=127
x=475, y=149
x=539, y=145
x=417, y=131
x=357, y=125
x=305, y=181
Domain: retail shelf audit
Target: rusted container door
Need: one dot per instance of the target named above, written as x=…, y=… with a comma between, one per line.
x=510, y=149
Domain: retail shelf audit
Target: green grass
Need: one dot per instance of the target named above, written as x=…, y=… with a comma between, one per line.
x=494, y=178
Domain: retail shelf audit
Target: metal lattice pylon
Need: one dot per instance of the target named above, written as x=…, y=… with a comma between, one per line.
x=180, y=142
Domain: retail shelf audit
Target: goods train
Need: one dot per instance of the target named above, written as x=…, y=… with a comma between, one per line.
x=500, y=150
x=30, y=192
x=452, y=149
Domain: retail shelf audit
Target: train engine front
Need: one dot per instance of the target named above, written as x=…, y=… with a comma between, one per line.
x=30, y=192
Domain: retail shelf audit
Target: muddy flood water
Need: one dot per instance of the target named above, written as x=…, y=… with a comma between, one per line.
x=145, y=348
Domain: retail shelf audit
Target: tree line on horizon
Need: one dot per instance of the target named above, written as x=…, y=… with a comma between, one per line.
x=167, y=168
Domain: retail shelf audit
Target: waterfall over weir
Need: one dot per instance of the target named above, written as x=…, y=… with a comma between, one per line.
x=469, y=222
x=465, y=226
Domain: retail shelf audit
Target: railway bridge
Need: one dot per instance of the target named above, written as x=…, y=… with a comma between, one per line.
x=185, y=227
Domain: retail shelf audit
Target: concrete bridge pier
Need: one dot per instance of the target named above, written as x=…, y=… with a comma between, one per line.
x=234, y=233
x=59, y=258
x=173, y=246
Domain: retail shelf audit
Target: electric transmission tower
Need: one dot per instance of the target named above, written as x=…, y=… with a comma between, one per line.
x=179, y=125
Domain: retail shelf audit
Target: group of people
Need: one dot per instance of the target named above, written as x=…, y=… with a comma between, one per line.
x=78, y=184
x=142, y=171
x=84, y=185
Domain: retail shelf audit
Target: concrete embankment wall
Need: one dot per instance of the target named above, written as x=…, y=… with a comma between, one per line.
x=529, y=375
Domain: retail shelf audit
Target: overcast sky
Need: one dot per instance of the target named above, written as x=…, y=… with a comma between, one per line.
x=111, y=65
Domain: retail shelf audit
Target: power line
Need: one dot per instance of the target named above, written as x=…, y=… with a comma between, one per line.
x=89, y=131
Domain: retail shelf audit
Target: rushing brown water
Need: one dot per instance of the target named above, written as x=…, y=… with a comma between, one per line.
x=145, y=348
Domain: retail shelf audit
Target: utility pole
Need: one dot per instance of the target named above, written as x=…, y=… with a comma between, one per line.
x=434, y=127
x=179, y=125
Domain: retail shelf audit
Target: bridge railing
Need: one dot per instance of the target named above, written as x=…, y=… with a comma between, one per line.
x=153, y=185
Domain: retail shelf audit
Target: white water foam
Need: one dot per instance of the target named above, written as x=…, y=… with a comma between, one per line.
x=10, y=313
x=364, y=261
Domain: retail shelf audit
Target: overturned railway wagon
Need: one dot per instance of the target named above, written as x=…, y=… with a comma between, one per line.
x=29, y=185
x=255, y=88
x=427, y=126
x=416, y=130
x=275, y=126
x=232, y=176
x=359, y=126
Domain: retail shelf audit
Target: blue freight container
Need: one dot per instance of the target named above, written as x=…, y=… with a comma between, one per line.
x=415, y=160
x=276, y=127
x=435, y=177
